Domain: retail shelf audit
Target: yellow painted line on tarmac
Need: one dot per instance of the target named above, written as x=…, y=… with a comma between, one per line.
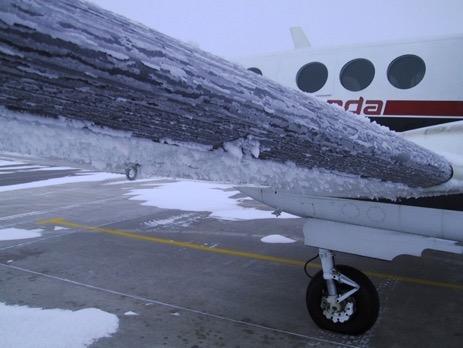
x=233, y=252
x=189, y=245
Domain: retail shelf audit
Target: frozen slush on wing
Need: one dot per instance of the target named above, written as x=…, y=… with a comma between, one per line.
x=73, y=60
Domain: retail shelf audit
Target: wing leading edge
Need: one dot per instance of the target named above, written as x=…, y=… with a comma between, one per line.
x=71, y=60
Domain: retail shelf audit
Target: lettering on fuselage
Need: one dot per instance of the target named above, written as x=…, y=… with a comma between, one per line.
x=360, y=106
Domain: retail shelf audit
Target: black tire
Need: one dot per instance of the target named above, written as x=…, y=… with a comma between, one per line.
x=131, y=172
x=366, y=303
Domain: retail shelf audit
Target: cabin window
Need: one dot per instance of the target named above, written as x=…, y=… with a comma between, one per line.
x=357, y=74
x=255, y=70
x=312, y=77
x=406, y=71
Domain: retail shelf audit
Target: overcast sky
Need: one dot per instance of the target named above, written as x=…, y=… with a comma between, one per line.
x=236, y=28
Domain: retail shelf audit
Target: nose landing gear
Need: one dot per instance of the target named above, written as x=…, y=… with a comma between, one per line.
x=341, y=298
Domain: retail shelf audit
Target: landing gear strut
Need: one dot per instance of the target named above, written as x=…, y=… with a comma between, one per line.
x=341, y=298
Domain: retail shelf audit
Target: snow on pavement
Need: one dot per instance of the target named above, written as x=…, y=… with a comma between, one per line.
x=23, y=326
x=123, y=182
x=9, y=163
x=12, y=167
x=53, y=169
x=17, y=233
x=277, y=239
x=6, y=165
x=183, y=220
x=201, y=196
x=87, y=177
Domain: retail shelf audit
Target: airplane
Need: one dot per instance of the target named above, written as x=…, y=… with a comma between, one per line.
x=413, y=87
x=90, y=86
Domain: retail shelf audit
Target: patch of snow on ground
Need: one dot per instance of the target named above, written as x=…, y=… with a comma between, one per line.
x=88, y=177
x=17, y=233
x=201, y=196
x=183, y=220
x=9, y=163
x=130, y=313
x=126, y=181
x=10, y=167
x=277, y=239
x=59, y=228
x=22, y=326
x=54, y=168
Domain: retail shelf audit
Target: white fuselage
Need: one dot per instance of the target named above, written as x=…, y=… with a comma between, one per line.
x=438, y=96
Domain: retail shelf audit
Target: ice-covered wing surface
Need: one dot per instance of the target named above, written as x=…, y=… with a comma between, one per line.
x=72, y=59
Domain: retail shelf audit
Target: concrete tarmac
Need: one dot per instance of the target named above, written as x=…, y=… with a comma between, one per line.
x=204, y=282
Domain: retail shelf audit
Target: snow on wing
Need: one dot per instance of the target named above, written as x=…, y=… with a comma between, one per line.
x=73, y=59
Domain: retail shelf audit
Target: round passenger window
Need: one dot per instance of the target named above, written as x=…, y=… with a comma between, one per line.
x=256, y=70
x=312, y=77
x=357, y=74
x=406, y=71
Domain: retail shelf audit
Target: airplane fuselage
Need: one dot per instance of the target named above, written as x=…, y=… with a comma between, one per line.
x=402, y=85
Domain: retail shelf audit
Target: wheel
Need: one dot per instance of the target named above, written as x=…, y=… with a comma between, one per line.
x=131, y=172
x=354, y=315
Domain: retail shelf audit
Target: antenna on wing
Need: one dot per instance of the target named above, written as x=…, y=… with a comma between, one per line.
x=299, y=38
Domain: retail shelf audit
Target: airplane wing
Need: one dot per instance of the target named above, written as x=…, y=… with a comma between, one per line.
x=81, y=83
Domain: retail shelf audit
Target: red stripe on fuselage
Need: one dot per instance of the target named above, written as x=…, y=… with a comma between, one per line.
x=423, y=108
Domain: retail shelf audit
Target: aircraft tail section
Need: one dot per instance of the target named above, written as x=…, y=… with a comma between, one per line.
x=299, y=38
